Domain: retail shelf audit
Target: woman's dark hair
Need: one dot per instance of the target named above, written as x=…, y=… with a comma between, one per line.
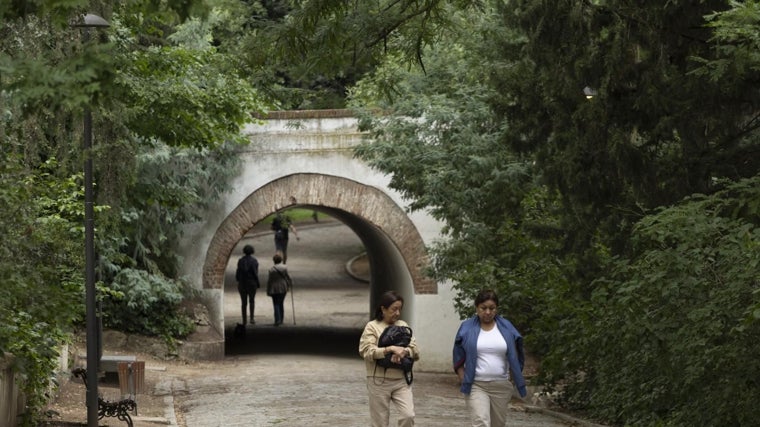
x=386, y=300
x=485, y=295
x=277, y=258
x=248, y=250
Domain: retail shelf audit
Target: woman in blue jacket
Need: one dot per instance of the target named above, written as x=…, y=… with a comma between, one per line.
x=487, y=349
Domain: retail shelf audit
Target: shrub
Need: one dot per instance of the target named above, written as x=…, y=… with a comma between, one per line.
x=146, y=303
x=675, y=338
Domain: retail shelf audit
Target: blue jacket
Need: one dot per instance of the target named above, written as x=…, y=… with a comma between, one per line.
x=466, y=353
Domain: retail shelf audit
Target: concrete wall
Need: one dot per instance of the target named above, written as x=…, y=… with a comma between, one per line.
x=306, y=159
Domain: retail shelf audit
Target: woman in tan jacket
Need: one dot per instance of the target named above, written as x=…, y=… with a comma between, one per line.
x=386, y=385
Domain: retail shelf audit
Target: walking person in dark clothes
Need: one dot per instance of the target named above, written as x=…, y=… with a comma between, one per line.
x=282, y=225
x=247, y=276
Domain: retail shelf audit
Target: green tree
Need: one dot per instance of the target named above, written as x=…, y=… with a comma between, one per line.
x=160, y=100
x=675, y=330
x=178, y=166
x=675, y=114
x=40, y=270
x=658, y=129
x=440, y=141
x=308, y=55
x=171, y=186
x=670, y=119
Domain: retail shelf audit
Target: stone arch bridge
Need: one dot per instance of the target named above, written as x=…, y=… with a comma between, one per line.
x=305, y=159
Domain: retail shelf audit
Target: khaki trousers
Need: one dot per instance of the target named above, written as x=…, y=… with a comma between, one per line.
x=384, y=390
x=489, y=403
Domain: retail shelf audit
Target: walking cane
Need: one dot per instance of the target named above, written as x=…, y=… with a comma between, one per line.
x=292, y=303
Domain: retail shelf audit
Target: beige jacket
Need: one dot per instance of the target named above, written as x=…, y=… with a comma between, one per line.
x=370, y=352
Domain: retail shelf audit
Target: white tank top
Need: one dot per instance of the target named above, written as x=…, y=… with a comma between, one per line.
x=492, y=362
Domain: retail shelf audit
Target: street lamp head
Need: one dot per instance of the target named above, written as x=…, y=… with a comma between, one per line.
x=91, y=21
x=589, y=92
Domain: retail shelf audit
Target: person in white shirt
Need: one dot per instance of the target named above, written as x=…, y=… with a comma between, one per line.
x=487, y=349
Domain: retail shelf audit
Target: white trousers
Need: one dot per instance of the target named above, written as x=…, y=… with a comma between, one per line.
x=488, y=403
x=383, y=391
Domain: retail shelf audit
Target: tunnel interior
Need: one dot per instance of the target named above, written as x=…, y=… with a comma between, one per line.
x=387, y=271
x=395, y=250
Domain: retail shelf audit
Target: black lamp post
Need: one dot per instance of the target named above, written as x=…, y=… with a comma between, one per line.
x=93, y=332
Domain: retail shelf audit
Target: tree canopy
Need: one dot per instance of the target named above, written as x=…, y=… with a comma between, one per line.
x=621, y=231
x=548, y=195
x=164, y=101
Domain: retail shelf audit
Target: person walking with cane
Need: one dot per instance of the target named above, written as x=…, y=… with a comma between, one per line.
x=278, y=283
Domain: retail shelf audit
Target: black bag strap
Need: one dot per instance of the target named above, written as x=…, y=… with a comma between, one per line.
x=288, y=280
x=408, y=375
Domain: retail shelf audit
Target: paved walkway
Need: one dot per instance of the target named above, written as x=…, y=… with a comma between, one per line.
x=303, y=374
x=312, y=390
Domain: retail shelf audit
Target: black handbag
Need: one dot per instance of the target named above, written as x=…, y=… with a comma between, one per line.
x=399, y=336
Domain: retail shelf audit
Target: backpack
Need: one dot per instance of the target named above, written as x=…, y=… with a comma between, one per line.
x=280, y=227
x=400, y=336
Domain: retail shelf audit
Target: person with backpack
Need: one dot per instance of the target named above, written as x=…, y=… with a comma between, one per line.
x=387, y=384
x=278, y=284
x=247, y=276
x=282, y=226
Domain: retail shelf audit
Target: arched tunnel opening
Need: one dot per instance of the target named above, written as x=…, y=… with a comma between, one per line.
x=340, y=265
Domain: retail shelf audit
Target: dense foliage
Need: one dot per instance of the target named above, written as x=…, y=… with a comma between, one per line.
x=139, y=261
x=40, y=269
x=308, y=54
x=167, y=110
x=621, y=231
x=674, y=327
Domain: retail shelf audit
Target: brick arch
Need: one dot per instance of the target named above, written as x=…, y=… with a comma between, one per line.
x=359, y=200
